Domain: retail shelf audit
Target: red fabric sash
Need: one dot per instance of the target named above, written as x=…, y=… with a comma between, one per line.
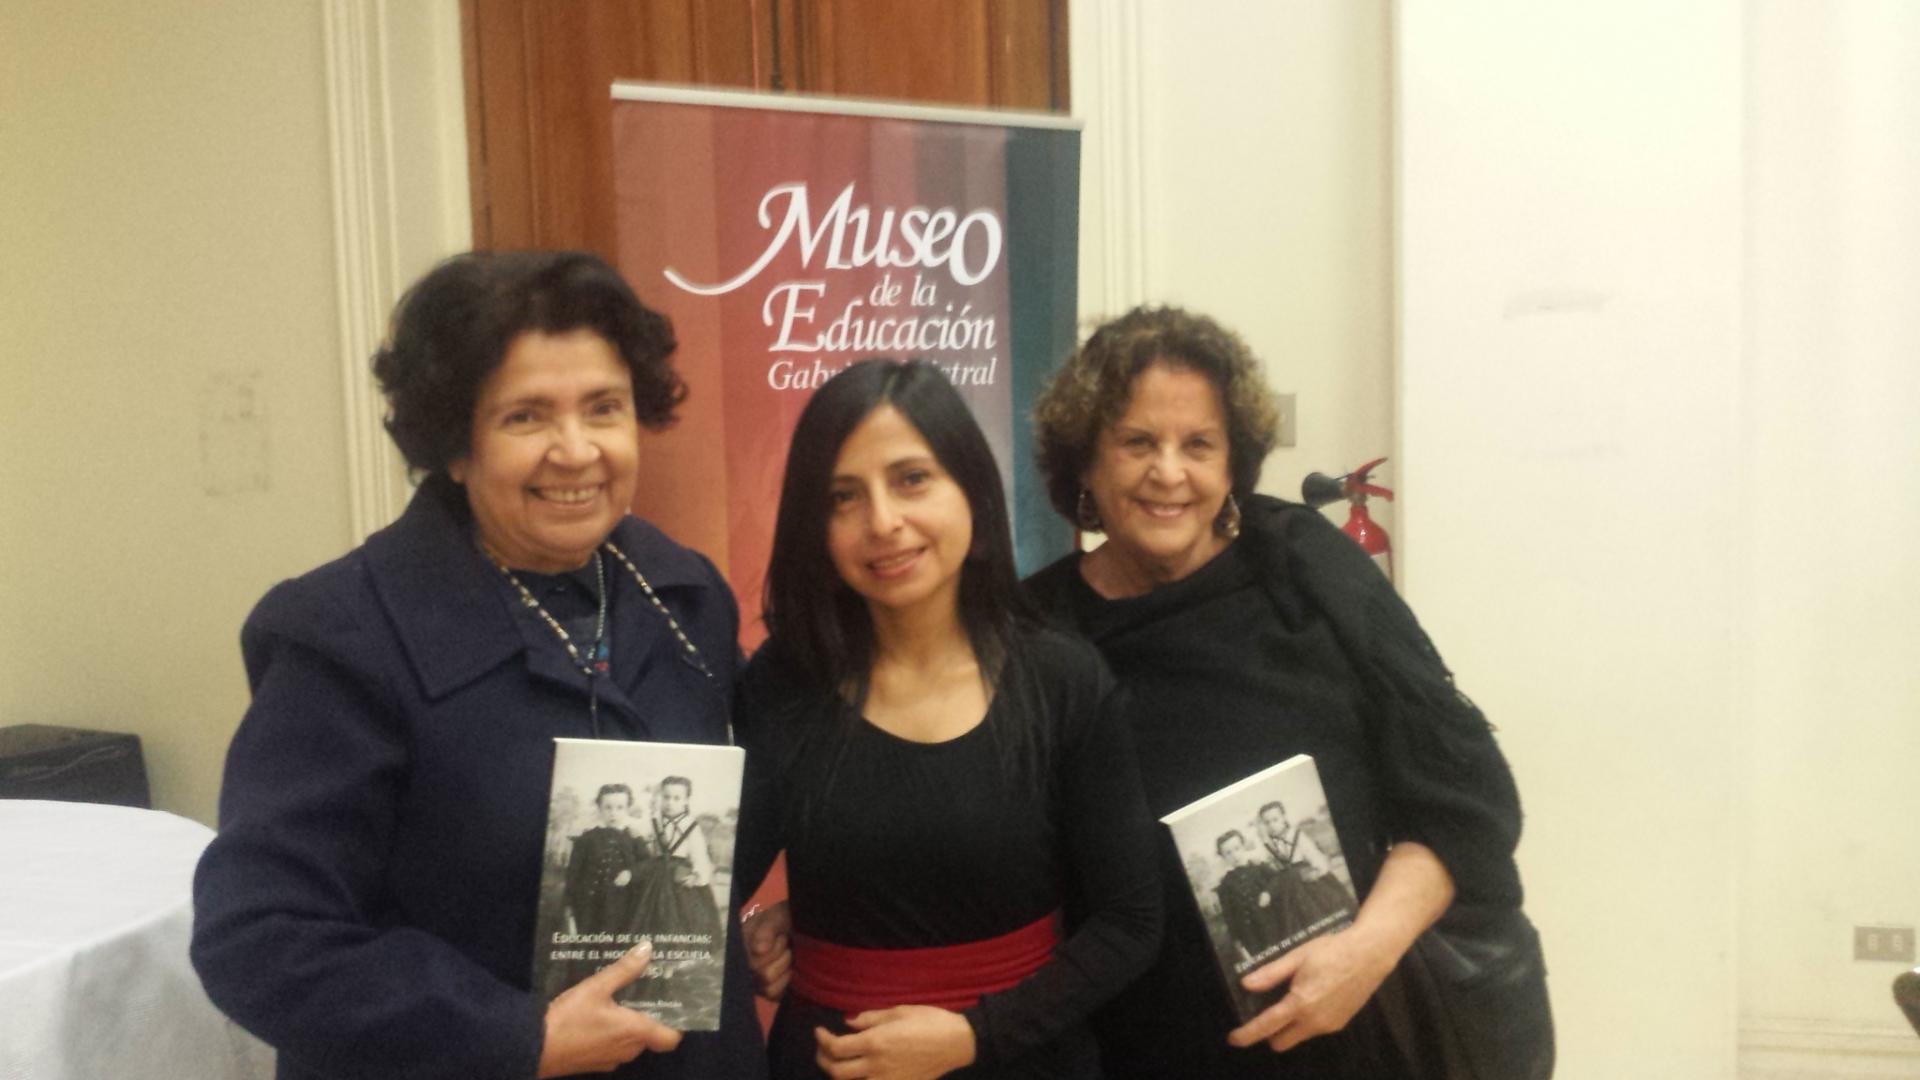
x=952, y=977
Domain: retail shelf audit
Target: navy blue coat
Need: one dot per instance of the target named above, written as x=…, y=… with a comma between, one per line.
x=368, y=905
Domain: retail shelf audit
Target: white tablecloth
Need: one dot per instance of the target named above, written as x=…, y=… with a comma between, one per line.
x=95, y=911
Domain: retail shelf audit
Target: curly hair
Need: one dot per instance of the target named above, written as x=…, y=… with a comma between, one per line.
x=454, y=326
x=1093, y=387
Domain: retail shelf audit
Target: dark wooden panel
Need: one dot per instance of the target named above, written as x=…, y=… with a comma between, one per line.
x=930, y=50
x=729, y=43
x=1027, y=54
x=502, y=183
x=477, y=183
x=537, y=86
x=538, y=73
x=1007, y=53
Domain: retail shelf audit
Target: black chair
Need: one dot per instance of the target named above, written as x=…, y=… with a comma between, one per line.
x=40, y=761
x=1906, y=991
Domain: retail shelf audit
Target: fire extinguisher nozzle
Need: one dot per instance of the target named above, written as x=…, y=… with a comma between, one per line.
x=1319, y=489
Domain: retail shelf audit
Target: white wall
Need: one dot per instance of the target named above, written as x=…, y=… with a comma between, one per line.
x=1236, y=162
x=1833, y=455
x=172, y=441
x=170, y=372
x=1570, y=242
x=1657, y=389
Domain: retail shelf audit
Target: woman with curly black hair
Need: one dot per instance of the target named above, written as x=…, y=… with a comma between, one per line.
x=368, y=907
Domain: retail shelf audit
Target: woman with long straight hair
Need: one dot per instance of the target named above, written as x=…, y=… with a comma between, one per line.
x=970, y=864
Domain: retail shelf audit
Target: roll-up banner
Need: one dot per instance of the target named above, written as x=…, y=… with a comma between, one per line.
x=788, y=236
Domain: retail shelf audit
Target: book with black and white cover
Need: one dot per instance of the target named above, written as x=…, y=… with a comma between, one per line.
x=640, y=847
x=1265, y=866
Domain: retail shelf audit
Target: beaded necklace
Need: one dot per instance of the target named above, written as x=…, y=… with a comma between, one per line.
x=588, y=667
x=693, y=651
x=596, y=666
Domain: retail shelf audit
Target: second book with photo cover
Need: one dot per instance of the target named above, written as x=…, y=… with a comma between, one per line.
x=640, y=848
x=1267, y=873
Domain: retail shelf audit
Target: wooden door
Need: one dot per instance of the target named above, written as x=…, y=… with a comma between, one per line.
x=1005, y=53
x=539, y=116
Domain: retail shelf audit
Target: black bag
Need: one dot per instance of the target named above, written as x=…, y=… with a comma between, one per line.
x=1479, y=979
x=1476, y=981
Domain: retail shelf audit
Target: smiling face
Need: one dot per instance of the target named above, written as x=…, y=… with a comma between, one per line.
x=1159, y=474
x=899, y=528
x=555, y=451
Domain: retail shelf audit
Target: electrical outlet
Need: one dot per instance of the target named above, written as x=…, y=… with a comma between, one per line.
x=1289, y=433
x=1893, y=943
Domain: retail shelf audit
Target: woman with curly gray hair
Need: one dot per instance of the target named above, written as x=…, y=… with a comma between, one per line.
x=1247, y=630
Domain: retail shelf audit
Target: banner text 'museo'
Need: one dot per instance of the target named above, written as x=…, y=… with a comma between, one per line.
x=968, y=246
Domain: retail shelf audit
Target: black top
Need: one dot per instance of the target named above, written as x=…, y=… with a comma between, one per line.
x=899, y=844
x=1222, y=684
x=1227, y=671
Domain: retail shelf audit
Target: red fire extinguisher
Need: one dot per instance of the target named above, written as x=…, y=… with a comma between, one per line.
x=1320, y=489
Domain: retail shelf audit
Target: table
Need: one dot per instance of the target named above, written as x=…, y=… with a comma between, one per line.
x=95, y=911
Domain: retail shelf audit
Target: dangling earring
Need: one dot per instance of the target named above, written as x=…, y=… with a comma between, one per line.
x=1228, y=523
x=1086, y=514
